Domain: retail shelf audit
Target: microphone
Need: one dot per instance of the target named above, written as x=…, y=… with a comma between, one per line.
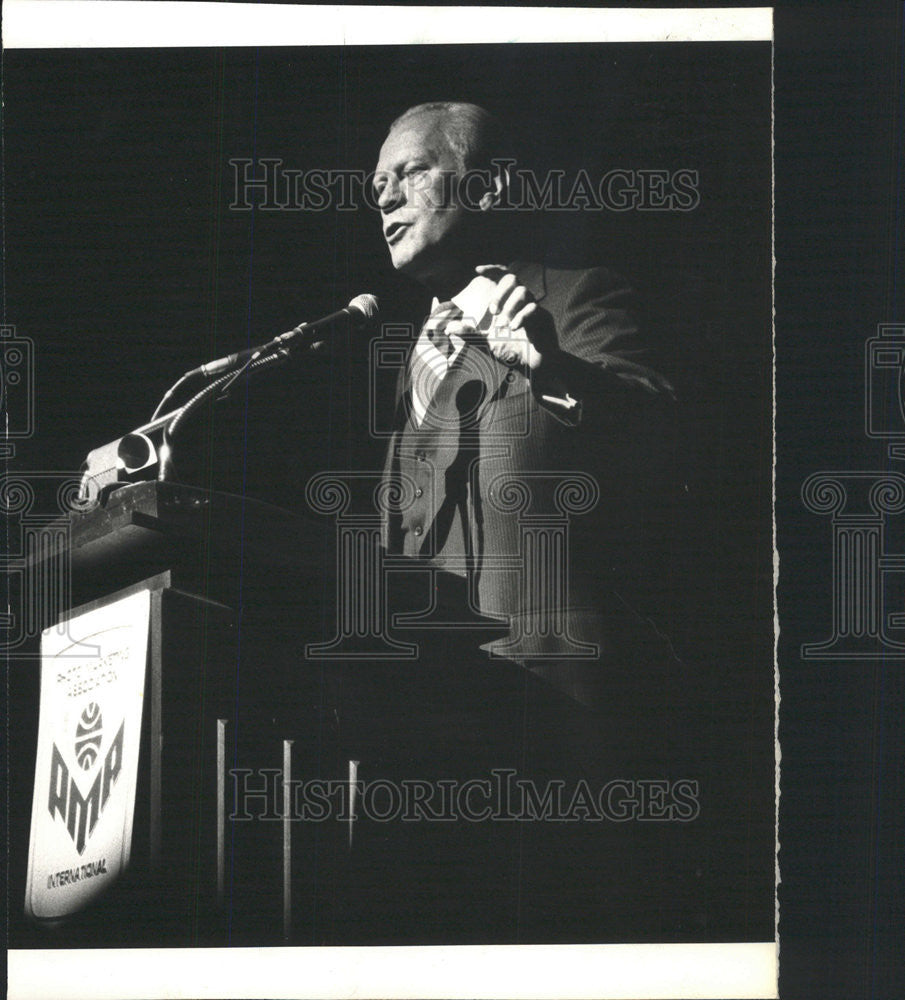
x=361, y=310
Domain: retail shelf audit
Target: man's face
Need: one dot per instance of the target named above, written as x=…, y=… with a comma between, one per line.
x=415, y=182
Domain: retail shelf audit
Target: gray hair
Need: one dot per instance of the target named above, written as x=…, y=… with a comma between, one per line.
x=473, y=133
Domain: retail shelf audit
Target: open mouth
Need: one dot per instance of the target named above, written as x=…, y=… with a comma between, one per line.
x=394, y=231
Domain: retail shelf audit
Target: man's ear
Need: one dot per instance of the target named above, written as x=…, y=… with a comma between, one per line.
x=499, y=185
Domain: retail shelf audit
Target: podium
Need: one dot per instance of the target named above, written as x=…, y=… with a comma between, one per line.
x=249, y=687
x=257, y=728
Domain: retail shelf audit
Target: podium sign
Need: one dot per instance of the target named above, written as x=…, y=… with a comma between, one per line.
x=89, y=733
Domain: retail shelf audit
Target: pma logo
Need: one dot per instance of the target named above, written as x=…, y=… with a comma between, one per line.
x=80, y=812
x=88, y=736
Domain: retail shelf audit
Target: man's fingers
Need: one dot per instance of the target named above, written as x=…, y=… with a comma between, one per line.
x=503, y=289
x=518, y=320
x=461, y=328
x=510, y=296
x=513, y=305
x=499, y=273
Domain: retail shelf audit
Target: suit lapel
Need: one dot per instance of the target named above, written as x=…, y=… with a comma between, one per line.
x=533, y=276
x=454, y=394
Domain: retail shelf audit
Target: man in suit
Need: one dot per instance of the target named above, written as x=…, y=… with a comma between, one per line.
x=525, y=457
x=529, y=394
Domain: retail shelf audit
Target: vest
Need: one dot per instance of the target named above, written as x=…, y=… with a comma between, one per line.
x=433, y=462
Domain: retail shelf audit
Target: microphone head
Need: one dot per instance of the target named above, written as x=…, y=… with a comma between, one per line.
x=365, y=304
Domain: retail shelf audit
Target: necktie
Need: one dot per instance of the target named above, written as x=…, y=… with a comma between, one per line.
x=430, y=361
x=437, y=322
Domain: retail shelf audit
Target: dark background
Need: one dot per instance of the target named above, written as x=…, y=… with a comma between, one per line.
x=127, y=265
x=127, y=268
x=839, y=228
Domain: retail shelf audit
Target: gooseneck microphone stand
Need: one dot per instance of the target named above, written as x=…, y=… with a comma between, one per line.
x=173, y=421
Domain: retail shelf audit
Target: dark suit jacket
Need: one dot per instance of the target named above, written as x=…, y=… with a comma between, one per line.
x=550, y=521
